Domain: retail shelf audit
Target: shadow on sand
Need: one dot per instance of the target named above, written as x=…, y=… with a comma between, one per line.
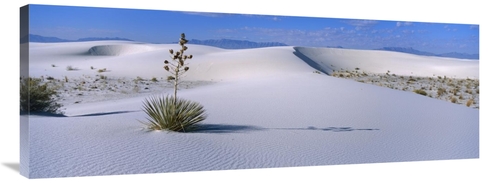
x=309, y=61
x=332, y=129
x=103, y=113
x=47, y=114
x=223, y=128
x=83, y=115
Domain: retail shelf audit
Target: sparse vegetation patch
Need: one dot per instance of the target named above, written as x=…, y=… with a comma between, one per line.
x=441, y=87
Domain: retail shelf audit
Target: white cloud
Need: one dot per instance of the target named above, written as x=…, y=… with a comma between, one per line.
x=408, y=31
x=362, y=24
x=74, y=33
x=206, y=14
x=399, y=24
x=102, y=31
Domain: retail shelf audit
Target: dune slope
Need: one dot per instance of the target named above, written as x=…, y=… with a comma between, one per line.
x=266, y=107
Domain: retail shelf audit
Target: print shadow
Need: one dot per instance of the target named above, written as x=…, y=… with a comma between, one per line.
x=13, y=166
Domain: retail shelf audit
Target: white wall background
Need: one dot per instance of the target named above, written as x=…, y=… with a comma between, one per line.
x=471, y=12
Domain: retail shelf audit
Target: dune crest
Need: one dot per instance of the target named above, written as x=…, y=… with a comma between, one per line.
x=376, y=61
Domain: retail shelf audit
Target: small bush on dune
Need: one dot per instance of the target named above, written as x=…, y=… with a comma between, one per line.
x=71, y=68
x=101, y=70
x=37, y=97
x=169, y=113
x=454, y=100
x=470, y=102
x=421, y=92
x=441, y=91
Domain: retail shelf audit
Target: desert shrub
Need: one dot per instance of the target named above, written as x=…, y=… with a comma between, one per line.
x=154, y=79
x=37, y=97
x=441, y=91
x=101, y=70
x=169, y=113
x=70, y=68
x=454, y=100
x=469, y=102
x=421, y=92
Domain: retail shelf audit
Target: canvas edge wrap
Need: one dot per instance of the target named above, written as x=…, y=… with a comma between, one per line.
x=24, y=73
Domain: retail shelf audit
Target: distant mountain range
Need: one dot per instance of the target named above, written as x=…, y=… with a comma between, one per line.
x=417, y=52
x=240, y=44
x=235, y=44
x=43, y=39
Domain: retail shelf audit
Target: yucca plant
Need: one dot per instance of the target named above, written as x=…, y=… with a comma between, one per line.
x=169, y=113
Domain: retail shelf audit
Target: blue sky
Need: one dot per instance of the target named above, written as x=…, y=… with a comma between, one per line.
x=156, y=26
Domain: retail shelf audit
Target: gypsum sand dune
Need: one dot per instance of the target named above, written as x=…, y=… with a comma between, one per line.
x=214, y=64
x=275, y=119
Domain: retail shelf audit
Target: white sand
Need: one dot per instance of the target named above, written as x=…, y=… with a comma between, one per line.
x=266, y=109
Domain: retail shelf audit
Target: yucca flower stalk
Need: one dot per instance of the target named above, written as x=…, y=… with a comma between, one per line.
x=178, y=66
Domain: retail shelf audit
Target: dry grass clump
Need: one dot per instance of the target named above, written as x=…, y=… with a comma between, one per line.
x=421, y=92
x=71, y=68
x=469, y=102
x=453, y=100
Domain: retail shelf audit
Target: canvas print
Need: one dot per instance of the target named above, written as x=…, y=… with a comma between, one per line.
x=108, y=91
